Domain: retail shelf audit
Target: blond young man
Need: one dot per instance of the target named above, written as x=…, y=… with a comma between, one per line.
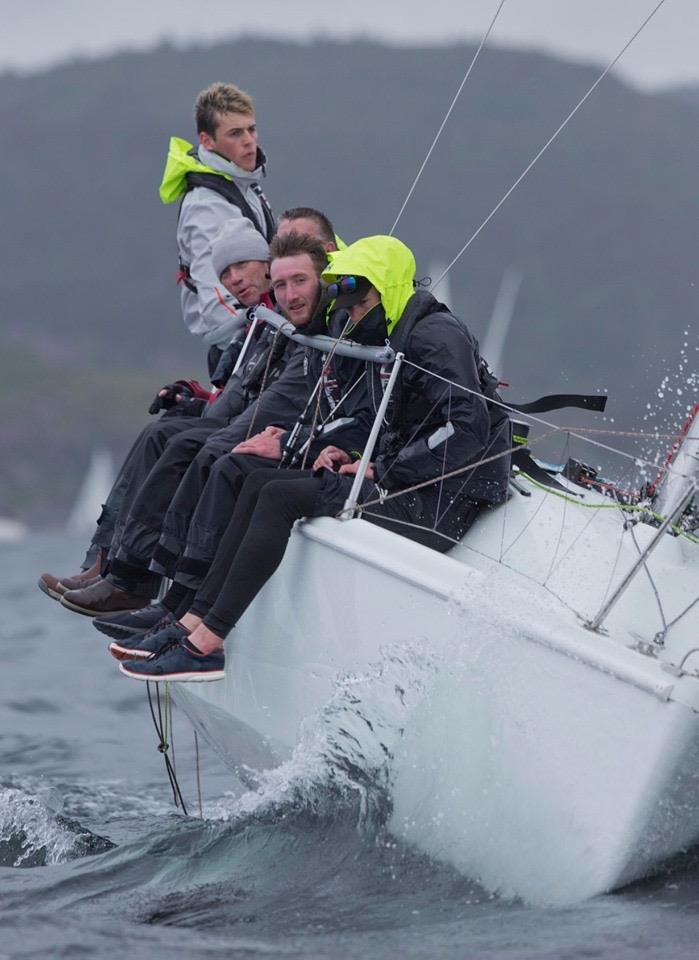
x=216, y=180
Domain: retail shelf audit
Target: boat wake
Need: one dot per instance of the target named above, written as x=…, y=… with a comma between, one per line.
x=344, y=752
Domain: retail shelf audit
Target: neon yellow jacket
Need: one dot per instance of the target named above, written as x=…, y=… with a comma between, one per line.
x=179, y=163
x=386, y=262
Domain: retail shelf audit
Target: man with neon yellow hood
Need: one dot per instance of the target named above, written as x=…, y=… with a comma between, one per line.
x=439, y=421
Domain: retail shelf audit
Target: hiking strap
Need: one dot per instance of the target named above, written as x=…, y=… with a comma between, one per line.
x=557, y=401
x=523, y=460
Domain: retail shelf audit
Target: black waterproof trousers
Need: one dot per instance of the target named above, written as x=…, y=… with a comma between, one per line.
x=213, y=513
x=279, y=405
x=144, y=453
x=175, y=524
x=139, y=522
x=269, y=503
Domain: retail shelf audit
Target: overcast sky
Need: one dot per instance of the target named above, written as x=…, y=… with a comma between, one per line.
x=38, y=33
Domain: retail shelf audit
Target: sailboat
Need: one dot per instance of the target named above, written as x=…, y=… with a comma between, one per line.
x=547, y=741
x=11, y=530
x=560, y=635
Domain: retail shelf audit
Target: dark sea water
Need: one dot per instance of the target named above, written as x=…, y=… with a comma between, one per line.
x=95, y=860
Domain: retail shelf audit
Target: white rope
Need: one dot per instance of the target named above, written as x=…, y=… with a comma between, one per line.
x=446, y=116
x=548, y=143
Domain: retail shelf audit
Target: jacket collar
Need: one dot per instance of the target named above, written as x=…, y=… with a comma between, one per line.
x=218, y=163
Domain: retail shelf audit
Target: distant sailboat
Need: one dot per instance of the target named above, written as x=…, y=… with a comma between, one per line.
x=93, y=492
x=493, y=347
x=12, y=531
x=442, y=289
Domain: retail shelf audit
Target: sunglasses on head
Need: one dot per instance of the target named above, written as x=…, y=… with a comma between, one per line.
x=343, y=285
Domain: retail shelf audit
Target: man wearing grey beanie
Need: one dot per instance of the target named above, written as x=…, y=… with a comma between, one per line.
x=240, y=257
x=237, y=242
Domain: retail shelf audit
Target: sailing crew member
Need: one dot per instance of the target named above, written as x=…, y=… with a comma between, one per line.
x=216, y=181
x=433, y=428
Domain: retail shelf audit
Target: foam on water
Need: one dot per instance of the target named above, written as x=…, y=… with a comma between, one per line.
x=344, y=752
x=34, y=831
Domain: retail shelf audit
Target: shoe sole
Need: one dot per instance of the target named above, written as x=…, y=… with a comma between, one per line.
x=45, y=588
x=123, y=653
x=86, y=612
x=182, y=677
x=117, y=631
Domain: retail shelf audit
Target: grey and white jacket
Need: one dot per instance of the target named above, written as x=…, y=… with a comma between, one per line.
x=211, y=312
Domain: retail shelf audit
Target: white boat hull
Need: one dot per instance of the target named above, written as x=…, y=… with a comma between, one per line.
x=545, y=760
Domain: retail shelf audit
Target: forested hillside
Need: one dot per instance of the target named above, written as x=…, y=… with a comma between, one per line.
x=604, y=229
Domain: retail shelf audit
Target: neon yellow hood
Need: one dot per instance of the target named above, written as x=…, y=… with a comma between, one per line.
x=386, y=262
x=179, y=163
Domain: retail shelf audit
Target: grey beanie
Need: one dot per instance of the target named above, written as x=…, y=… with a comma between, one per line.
x=236, y=241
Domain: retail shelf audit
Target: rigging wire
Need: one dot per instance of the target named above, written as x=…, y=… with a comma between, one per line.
x=612, y=573
x=616, y=506
x=548, y=143
x=574, y=542
x=680, y=615
x=474, y=466
x=170, y=725
x=565, y=456
x=522, y=573
x=446, y=117
x=639, y=461
x=656, y=592
x=316, y=395
x=447, y=476
x=437, y=517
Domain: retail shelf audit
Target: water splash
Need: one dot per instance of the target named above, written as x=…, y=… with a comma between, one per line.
x=344, y=751
x=34, y=832
x=675, y=396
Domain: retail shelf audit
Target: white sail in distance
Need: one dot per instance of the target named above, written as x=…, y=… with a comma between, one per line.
x=95, y=487
x=493, y=346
